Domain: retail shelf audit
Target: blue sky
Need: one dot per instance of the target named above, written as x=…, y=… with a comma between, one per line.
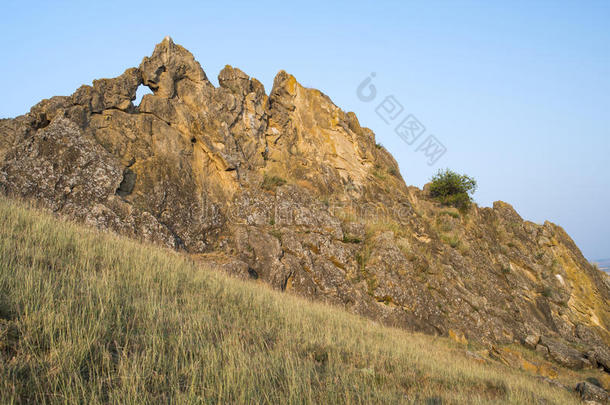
x=518, y=92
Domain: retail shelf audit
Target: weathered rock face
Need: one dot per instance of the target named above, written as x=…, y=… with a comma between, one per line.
x=289, y=189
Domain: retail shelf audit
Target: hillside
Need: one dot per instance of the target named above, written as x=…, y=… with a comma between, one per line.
x=89, y=317
x=286, y=188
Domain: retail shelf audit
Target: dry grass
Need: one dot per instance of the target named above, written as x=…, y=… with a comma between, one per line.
x=87, y=317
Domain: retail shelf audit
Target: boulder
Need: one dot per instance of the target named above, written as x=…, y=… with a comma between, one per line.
x=591, y=392
x=563, y=354
x=600, y=356
x=531, y=341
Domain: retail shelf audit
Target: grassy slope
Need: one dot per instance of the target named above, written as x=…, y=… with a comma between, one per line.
x=89, y=317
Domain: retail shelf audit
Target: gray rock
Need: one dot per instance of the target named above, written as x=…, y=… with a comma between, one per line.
x=600, y=356
x=591, y=392
x=531, y=341
x=543, y=350
x=563, y=354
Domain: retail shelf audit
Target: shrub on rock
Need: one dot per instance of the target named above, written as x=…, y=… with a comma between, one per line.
x=450, y=188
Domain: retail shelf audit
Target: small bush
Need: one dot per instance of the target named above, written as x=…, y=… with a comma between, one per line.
x=547, y=292
x=450, y=188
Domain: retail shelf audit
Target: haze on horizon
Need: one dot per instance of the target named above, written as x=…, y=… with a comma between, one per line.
x=519, y=94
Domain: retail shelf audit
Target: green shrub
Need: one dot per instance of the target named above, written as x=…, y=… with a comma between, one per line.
x=547, y=292
x=450, y=188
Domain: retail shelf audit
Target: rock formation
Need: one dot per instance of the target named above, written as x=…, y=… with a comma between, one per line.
x=289, y=189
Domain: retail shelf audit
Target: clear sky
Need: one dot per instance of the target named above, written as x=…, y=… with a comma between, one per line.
x=517, y=91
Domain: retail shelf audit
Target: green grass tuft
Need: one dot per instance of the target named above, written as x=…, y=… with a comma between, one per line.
x=453, y=214
x=451, y=240
x=351, y=239
x=270, y=183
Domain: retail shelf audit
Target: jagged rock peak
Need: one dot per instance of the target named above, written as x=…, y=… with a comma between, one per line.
x=168, y=64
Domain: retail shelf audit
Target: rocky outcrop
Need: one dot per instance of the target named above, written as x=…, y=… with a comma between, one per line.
x=288, y=189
